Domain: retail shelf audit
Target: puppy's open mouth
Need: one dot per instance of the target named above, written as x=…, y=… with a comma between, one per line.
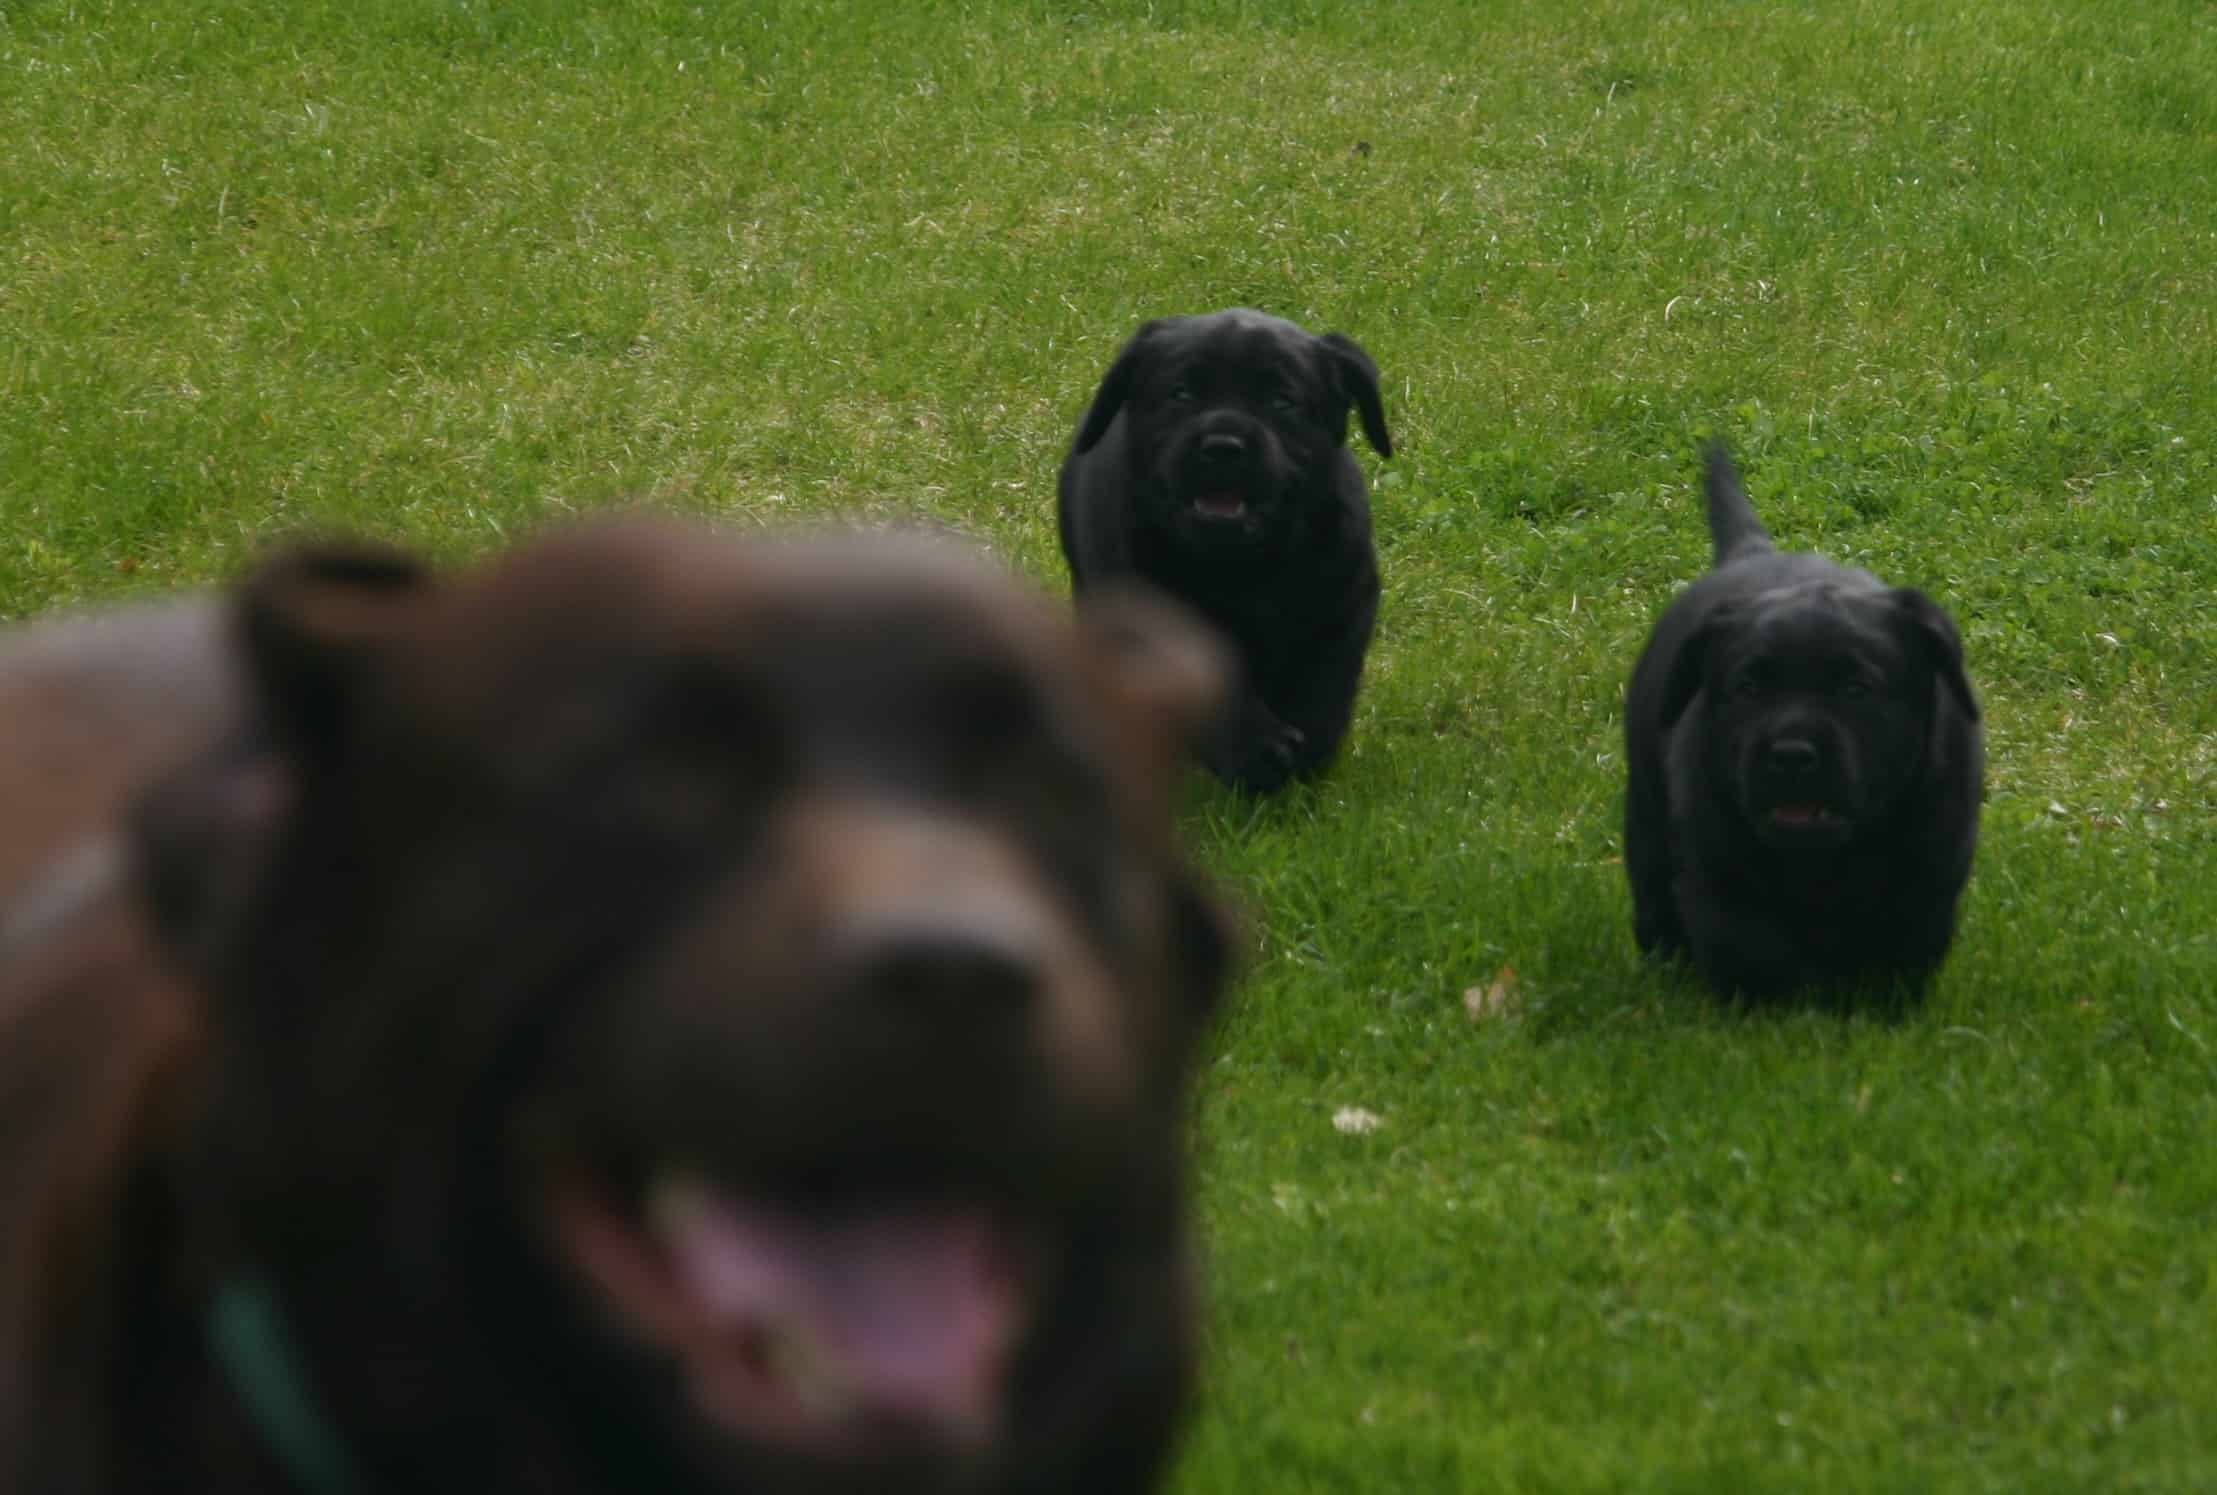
x=1806, y=819
x=1220, y=506
x=823, y=1333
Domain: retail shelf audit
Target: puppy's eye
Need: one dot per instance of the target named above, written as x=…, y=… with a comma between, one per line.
x=1750, y=686
x=1181, y=392
x=1855, y=688
x=1284, y=400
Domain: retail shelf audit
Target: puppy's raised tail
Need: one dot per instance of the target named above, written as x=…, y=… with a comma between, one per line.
x=1733, y=527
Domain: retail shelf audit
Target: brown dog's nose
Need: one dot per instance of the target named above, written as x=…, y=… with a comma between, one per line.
x=1222, y=446
x=960, y=974
x=1791, y=757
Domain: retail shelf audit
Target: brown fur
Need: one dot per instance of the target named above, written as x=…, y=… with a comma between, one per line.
x=89, y=707
x=94, y=1027
x=838, y=872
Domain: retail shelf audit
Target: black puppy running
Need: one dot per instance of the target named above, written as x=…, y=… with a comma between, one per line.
x=1214, y=464
x=1806, y=765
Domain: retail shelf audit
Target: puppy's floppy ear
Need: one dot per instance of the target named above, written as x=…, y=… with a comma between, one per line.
x=1164, y=658
x=1116, y=385
x=1357, y=378
x=1691, y=667
x=307, y=622
x=1934, y=633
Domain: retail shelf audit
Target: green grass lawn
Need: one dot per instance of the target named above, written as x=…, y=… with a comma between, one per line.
x=1946, y=273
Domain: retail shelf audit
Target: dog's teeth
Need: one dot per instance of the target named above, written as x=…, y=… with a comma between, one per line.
x=675, y=1202
x=806, y=1371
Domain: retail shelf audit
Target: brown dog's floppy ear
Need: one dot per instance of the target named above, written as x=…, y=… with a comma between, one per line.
x=1689, y=668
x=310, y=618
x=1357, y=378
x=1935, y=633
x=306, y=621
x=1177, y=670
x=1116, y=385
x=1165, y=659
x=1206, y=933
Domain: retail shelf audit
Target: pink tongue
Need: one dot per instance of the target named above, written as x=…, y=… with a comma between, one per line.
x=1221, y=505
x=911, y=1317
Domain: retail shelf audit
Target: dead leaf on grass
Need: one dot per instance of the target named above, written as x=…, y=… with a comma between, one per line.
x=1494, y=999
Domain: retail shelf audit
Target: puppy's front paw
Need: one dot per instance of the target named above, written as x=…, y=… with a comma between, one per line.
x=1269, y=758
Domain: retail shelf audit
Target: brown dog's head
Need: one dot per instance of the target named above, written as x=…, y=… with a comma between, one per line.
x=704, y=1013
x=1823, y=700
x=1235, y=420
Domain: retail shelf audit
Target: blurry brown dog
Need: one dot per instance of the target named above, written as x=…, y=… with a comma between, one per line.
x=662, y=1011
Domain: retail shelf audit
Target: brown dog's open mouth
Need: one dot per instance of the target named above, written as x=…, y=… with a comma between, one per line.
x=1221, y=506
x=818, y=1333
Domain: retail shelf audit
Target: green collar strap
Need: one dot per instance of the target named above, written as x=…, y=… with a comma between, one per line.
x=248, y=1336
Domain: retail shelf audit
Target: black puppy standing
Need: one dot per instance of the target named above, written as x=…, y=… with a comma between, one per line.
x=1806, y=765
x=1214, y=465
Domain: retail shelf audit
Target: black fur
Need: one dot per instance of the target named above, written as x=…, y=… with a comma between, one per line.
x=1806, y=765
x=1213, y=464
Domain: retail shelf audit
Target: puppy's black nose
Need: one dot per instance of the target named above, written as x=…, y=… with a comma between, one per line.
x=953, y=974
x=1791, y=757
x=1222, y=446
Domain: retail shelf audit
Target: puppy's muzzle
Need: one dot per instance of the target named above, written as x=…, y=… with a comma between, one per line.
x=1789, y=759
x=1223, y=472
x=1798, y=785
x=1220, y=449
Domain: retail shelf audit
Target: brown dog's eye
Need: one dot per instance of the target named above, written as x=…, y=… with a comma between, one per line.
x=993, y=709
